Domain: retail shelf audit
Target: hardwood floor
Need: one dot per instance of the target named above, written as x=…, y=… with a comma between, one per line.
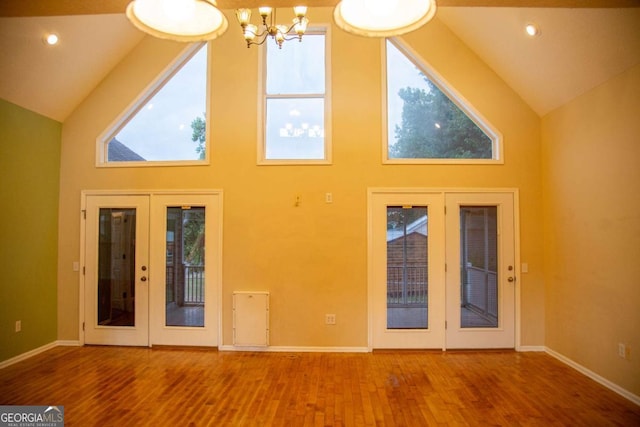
x=116, y=386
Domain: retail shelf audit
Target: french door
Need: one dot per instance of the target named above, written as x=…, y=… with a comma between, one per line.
x=442, y=269
x=407, y=309
x=480, y=276
x=148, y=278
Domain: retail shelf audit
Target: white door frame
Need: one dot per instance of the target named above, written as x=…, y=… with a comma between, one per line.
x=217, y=246
x=419, y=190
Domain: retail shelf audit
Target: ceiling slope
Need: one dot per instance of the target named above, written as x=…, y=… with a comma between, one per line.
x=577, y=49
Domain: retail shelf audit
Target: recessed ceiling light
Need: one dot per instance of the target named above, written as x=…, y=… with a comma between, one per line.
x=532, y=30
x=51, y=39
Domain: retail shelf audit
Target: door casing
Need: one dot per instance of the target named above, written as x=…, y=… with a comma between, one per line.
x=442, y=191
x=217, y=247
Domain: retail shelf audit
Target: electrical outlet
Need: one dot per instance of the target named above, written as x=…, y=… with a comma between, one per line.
x=622, y=350
x=328, y=198
x=330, y=319
x=18, y=325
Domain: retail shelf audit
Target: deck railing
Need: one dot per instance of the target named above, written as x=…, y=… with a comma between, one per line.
x=194, y=284
x=406, y=286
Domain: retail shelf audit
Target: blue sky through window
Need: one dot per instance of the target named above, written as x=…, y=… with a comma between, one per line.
x=295, y=104
x=161, y=129
x=401, y=73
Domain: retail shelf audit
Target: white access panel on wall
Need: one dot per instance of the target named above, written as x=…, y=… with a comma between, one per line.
x=251, y=318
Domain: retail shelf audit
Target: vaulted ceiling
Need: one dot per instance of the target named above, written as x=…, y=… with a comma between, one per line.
x=578, y=48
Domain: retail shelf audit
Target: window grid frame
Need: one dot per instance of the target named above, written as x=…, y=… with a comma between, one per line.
x=263, y=97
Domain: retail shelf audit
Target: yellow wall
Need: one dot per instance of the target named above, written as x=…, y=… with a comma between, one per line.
x=312, y=258
x=591, y=158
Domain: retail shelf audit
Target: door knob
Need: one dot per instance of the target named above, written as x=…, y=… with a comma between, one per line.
x=511, y=279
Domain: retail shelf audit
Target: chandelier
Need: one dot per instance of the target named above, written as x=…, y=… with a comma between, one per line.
x=278, y=32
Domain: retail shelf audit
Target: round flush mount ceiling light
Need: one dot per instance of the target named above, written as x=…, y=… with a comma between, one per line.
x=51, y=39
x=179, y=20
x=383, y=18
x=532, y=30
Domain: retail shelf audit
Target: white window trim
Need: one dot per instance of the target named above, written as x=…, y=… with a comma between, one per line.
x=456, y=97
x=262, y=103
x=102, y=141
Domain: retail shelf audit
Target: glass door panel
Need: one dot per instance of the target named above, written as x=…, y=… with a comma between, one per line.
x=407, y=283
x=116, y=267
x=185, y=274
x=478, y=267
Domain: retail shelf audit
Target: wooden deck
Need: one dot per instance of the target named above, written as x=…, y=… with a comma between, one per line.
x=116, y=386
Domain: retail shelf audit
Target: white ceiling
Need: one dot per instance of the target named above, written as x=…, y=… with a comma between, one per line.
x=54, y=80
x=577, y=50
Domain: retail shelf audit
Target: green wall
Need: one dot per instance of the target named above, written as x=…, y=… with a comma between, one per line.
x=29, y=183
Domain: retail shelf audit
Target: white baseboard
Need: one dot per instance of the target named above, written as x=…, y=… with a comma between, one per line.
x=294, y=349
x=69, y=343
x=28, y=354
x=36, y=351
x=525, y=348
x=597, y=378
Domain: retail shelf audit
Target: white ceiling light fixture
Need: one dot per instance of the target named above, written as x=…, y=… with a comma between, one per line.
x=532, y=30
x=179, y=20
x=383, y=18
x=51, y=39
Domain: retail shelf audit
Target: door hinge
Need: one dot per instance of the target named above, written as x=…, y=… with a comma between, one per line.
x=445, y=267
x=84, y=213
x=445, y=324
x=82, y=326
x=83, y=270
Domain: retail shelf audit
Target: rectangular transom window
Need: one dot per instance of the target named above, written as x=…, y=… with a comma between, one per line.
x=295, y=102
x=428, y=121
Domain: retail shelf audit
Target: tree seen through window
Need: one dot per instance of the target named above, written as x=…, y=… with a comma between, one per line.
x=423, y=122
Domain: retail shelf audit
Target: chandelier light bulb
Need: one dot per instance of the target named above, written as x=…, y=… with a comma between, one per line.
x=300, y=26
x=300, y=11
x=264, y=11
x=244, y=16
x=250, y=32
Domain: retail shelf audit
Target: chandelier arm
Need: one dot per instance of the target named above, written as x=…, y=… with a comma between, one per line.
x=293, y=37
x=264, y=39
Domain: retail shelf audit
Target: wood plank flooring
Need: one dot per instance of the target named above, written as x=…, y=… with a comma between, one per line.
x=116, y=386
